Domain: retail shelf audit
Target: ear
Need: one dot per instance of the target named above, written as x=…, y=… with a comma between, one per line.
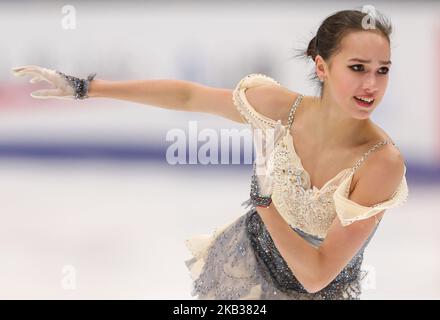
x=321, y=69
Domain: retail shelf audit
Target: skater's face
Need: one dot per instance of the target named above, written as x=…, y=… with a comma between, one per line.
x=359, y=68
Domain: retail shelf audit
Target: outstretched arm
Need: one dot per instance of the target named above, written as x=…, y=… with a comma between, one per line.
x=165, y=93
x=168, y=94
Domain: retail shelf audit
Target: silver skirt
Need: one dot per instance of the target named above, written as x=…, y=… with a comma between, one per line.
x=243, y=263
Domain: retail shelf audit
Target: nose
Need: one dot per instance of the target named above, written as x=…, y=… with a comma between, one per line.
x=370, y=83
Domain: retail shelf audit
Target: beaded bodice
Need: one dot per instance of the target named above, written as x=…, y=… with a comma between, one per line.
x=304, y=206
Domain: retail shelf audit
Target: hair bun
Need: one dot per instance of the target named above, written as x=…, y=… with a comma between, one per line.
x=311, y=49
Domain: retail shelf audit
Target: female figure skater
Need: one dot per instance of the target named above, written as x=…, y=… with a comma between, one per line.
x=329, y=173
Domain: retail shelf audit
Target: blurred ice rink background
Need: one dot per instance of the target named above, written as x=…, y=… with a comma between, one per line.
x=89, y=206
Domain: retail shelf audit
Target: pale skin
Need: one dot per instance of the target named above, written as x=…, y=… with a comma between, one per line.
x=337, y=130
x=330, y=134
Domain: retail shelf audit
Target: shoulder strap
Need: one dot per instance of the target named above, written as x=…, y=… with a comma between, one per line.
x=366, y=154
x=293, y=109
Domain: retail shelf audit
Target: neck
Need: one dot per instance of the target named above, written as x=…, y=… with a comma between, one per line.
x=335, y=128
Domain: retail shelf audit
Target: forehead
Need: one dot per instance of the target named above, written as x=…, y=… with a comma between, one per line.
x=367, y=45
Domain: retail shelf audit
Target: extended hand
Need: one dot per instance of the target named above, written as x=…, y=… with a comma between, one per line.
x=66, y=87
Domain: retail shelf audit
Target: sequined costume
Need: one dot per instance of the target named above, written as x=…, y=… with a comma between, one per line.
x=240, y=260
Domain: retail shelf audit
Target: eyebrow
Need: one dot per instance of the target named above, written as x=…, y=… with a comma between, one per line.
x=368, y=61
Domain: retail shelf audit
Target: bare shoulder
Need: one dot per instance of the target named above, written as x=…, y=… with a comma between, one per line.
x=380, y=174
x=386, y=154
x=386, y=162
x=273, y=101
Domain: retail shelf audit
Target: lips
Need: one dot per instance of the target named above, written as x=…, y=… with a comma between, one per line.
x=365, y=97
x=363, y=103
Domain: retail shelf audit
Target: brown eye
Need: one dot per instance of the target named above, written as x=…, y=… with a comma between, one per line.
x=383, y=70
x=357, y=67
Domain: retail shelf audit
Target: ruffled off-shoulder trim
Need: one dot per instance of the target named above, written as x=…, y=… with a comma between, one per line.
x=349, y=211
x=240, y=101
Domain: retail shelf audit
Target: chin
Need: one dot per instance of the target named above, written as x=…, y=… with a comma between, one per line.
x=362, y=115
x=365, y=117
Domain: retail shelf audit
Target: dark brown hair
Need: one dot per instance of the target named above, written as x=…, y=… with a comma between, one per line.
x=332, y=30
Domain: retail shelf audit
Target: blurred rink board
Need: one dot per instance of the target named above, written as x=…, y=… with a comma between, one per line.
x=213, y=44
x=90, y=206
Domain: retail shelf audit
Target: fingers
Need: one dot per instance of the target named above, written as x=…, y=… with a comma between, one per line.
x=17, y=70
x=47, y=93
x=25, y=70
x=37, y=73
x=39, y=78
x=35, y=79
